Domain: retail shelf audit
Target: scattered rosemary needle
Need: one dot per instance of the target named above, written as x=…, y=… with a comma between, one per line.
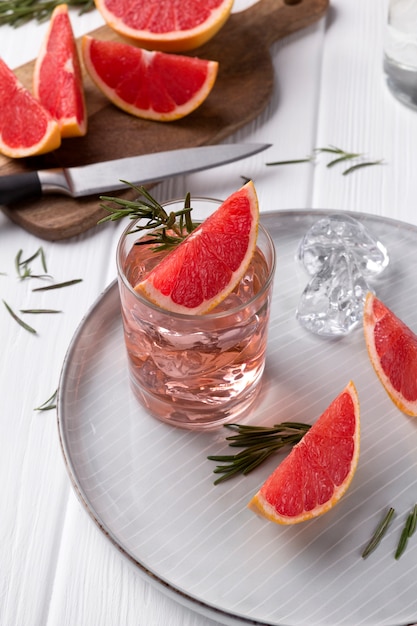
x=362, y=164
x=169, y=229
x=292, y=161
x=66, y=283
x=380, y=531
x=260, y=442
x=23, y=267
x=19, y=320
x=407, y=532
x=36, y=311
x=49, y=404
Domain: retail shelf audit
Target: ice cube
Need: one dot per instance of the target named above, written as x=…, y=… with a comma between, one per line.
x=332, y=303
x=337, y=232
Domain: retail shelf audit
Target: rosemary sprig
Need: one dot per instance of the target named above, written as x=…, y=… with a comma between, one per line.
x=380, y=531
x=169, y=229
x=18, y=12
x=19, y=320
x=407, y=532
x=340, y=157
x=49, y=404
x=260, y=442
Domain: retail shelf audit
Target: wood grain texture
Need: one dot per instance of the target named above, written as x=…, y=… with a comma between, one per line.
x=242, y=90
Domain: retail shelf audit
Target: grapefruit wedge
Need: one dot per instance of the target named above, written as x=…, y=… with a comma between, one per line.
x=57, y=79
x=26, y=127
x=167, y=25
x=204, y=268
x=392, y=349
x=150, y=85
x=318, y=470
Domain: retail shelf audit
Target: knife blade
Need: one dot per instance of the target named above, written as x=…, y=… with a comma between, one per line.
x=85, y=180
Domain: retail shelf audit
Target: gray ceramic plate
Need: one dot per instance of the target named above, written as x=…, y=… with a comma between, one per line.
x=149, y=487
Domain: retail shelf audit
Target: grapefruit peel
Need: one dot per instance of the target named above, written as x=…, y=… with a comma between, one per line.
x=392, y=350
x=291, y=494
x=169, y=26
x=220, y=248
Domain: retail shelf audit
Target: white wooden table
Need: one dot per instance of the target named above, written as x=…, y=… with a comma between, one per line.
x=56, y=568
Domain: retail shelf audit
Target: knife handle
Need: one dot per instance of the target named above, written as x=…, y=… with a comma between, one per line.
x=17, y=187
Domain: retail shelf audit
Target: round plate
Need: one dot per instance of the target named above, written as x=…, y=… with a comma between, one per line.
x=149, y=486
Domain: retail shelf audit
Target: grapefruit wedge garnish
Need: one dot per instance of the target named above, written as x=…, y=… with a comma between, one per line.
x=26, y=127
x=57, y=79
x=168, y=25
x=318, y=470
x=392, y=349
x=151, y=85
x=202, y=270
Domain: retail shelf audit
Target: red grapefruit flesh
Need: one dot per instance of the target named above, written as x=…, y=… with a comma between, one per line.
x=202, y=270
x=57, y=79
x=167, y=25
x=318, y=470
x=26, y=127
x=392, y=349
x=150, y=85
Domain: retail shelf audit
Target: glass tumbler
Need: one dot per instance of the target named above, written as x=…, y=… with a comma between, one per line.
x=196, y=371
x=400, y=51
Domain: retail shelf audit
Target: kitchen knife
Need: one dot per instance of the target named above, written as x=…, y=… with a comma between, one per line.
x=107, y=176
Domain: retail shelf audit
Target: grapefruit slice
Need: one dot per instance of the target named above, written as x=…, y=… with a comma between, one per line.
x=204, y=268
x=318, y=470
x=26, y=127
x=150, y=85
x=57, y=79
x=167, y=25
x=392, y=349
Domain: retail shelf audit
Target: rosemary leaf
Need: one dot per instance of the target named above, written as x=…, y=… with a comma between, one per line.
x=23, y=267
x=19, y=320
x=407, y=532
x=402, y=544
x=413, y=521
x=49, y=404
x=35, y=311
x=291, y=161
x=357, y=166
x=66, y=283
x=346, y=157
x=380, y=531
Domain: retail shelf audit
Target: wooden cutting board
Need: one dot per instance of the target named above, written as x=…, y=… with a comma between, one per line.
x=242, y=90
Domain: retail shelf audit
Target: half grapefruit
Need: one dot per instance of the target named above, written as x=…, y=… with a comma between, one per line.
x=392, y=349
x=57, y=80
x=26, y=127
x=204, y=268
x=150, y=85
x=167, y=25
x=318, y=470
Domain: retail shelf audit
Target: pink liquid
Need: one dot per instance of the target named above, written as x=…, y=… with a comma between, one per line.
x=196, y=371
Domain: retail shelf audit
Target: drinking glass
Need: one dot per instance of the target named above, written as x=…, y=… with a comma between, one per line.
x=400, y=51
x=196, y=371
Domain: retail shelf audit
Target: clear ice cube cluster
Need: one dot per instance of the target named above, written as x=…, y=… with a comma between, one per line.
x=341, y=257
